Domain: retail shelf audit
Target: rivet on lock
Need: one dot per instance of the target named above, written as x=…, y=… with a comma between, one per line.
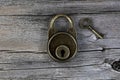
x=62, y=45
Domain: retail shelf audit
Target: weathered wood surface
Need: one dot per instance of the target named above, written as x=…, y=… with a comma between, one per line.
x=29, y=33
x=86, y=65
x=50, y=7
x=23, y=40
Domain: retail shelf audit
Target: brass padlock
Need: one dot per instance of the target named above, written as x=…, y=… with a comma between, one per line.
x=62, y=45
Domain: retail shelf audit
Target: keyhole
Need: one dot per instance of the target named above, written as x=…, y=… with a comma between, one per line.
x=62, y=53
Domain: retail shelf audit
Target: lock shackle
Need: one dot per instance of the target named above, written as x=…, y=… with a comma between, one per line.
x=61, y=15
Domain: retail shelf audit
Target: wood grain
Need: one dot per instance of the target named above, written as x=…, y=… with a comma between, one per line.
x=40, y=7
x=23, y=40
x=86, y=65
x=29, y=33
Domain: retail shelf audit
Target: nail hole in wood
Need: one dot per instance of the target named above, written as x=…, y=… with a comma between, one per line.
x=116, y=65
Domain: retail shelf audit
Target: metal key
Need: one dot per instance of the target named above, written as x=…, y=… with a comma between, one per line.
x=87, y=23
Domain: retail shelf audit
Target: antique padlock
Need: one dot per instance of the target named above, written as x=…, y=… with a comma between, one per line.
x=62, y=45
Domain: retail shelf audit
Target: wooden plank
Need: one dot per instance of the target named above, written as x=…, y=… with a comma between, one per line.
x=30, y=60
x=86, y=65
x=29, y=33
x=10, y=61
x=62, y=73
x=23, y=40
x=40, y=7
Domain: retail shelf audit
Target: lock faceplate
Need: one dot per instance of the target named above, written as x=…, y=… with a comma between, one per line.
x=62, y=45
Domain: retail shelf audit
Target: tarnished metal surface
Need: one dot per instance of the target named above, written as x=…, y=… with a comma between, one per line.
x=87, y=23
x=62, y=45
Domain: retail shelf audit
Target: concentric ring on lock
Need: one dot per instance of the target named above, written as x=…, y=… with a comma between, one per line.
x=59, y=39
x=62, y=52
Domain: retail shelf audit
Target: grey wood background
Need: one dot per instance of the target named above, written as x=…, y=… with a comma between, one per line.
x=23, y=40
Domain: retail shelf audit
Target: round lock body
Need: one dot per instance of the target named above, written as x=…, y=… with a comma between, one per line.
x=62, y=46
